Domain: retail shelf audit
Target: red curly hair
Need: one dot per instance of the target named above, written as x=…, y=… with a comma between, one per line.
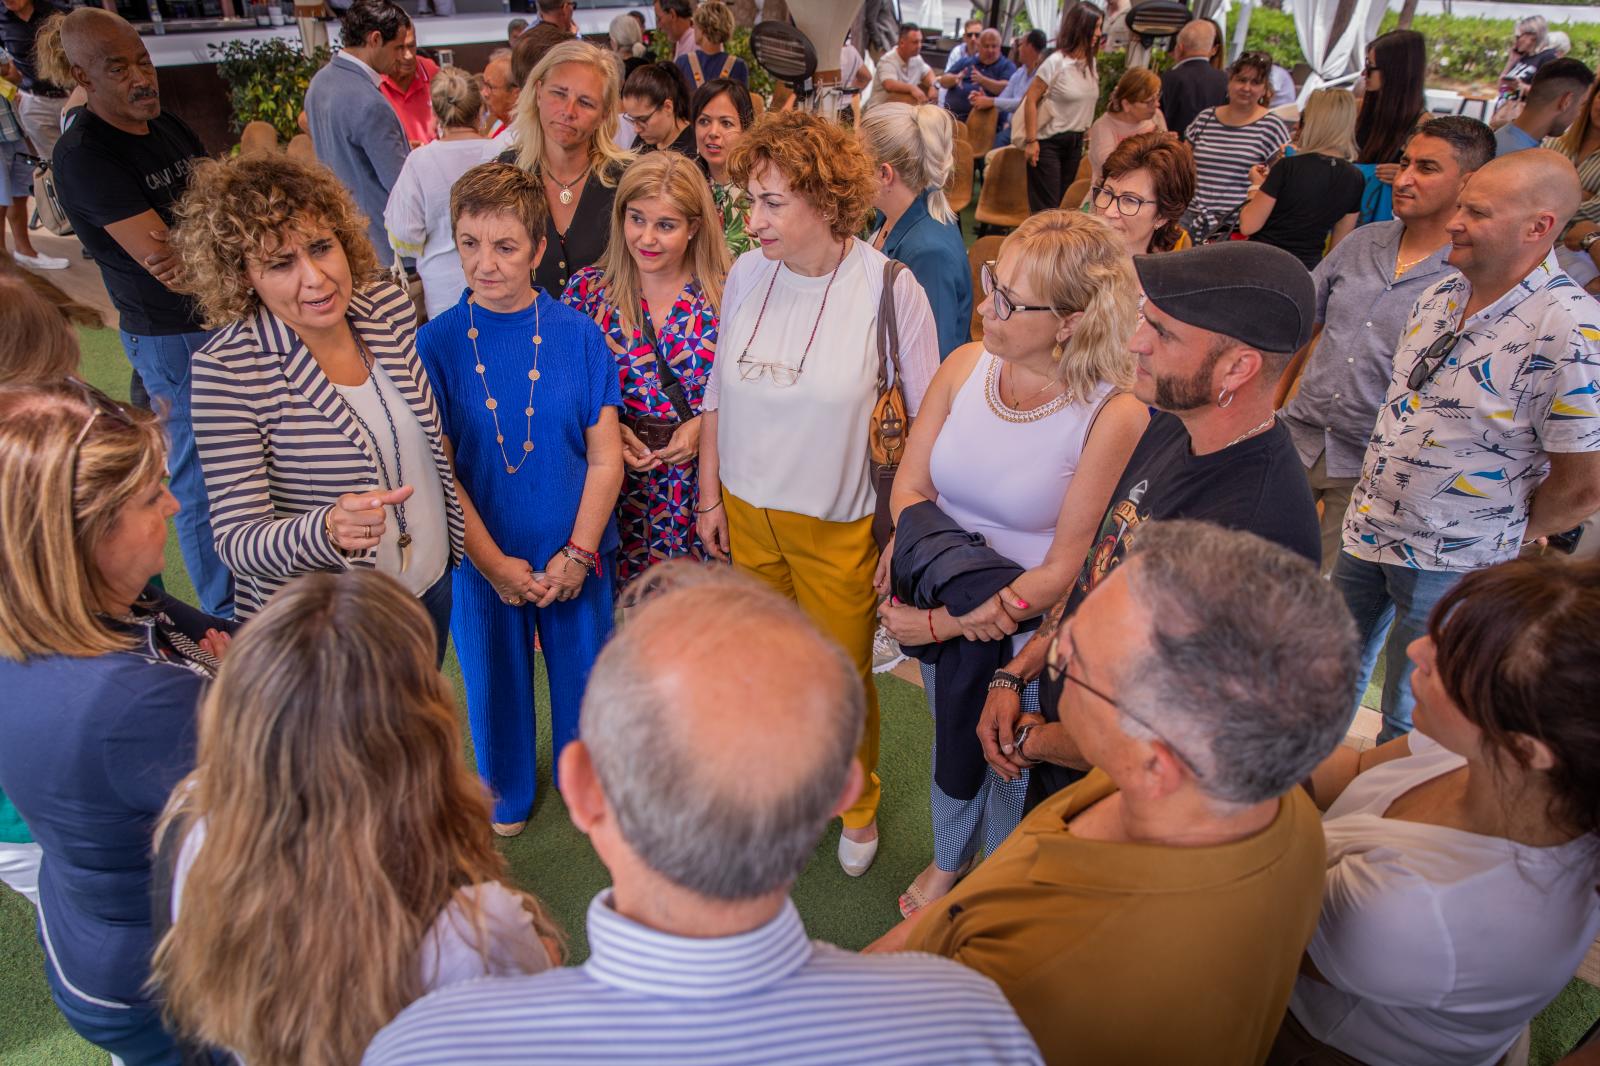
x=823, y=163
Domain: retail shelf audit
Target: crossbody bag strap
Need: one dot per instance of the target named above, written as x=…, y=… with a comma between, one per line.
x=888, y=329
x=669, y=379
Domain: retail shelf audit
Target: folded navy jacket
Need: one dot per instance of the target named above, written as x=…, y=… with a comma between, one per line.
x=939, y=564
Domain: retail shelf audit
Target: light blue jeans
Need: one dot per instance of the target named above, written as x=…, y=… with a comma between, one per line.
x=163, y=366
x=1391, y=605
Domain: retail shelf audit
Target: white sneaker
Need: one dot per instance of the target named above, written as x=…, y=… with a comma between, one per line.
x=886, y=653
x=42, y=261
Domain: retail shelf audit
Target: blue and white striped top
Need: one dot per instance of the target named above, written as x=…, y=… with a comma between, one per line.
x=278, y=447
x=767, y=996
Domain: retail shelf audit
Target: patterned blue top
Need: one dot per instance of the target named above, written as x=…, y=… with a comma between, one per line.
x=1451, y=469
x=766, y=996
x=530, y=513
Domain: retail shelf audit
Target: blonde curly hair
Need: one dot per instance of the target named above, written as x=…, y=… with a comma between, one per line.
x=243, y=208
x=822, y=161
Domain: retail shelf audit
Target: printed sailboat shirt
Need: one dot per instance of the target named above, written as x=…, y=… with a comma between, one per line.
x=1450, y=471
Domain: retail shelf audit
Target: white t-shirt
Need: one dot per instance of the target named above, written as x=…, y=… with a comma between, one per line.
x=892, y=68
x=449, y=953
x=418, y=214
x=803, y=447
x=424, y=511
x=1438, y=944
x=1072, y=90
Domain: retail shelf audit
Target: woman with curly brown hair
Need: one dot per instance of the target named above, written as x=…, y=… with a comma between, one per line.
x=785, y=483
x=316, y=425
x=332, y=836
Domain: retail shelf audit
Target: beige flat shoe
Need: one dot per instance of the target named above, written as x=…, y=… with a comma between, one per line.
x=510, y=829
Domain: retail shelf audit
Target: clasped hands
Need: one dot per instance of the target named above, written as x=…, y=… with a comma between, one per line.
x=681, y=448
x=517, y=583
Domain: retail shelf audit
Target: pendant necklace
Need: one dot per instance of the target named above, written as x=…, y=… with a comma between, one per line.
x=404, y=541
x=490, y=402
x=566, y=186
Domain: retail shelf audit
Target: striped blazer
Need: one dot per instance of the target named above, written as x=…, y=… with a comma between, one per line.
x=278, y=445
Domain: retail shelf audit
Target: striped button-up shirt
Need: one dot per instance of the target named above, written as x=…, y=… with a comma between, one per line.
x=766, y=996
x=279, y=446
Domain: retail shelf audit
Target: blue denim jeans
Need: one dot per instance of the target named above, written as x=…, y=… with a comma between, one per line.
x=163, y=366
x=1391, y=605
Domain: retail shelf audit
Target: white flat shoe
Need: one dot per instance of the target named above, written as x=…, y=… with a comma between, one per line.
x=856, y=856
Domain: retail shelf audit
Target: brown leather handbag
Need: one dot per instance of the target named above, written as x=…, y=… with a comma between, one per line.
x=890, y=426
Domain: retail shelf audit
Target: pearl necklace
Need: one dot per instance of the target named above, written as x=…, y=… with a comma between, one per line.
x=490, y=402
x=1003, y=411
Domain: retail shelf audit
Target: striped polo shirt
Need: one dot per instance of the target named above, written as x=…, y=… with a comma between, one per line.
x=1223, y=156
x=278, y=446
x=766, y=996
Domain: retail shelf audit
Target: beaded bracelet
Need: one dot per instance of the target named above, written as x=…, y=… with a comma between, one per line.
x=589, y=560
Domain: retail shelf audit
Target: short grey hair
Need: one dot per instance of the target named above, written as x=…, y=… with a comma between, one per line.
x=1251, y=664
x=707, y=835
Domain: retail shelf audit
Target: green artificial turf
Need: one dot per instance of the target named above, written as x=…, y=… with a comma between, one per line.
x=555, y=862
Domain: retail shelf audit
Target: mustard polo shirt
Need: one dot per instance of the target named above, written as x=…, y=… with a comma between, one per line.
x=1138, y=953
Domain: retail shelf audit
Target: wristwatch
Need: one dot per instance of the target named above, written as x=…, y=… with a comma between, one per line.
x=1020, y=739
x=1588, y=240
x=1006, y=680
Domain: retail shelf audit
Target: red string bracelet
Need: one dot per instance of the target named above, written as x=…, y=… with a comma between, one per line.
x=932, y=637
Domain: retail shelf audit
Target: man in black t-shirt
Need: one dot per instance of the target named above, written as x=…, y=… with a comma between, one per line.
x=120, y=170
x=1221, y=324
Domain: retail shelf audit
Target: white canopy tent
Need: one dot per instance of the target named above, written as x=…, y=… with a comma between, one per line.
x=1335, y=62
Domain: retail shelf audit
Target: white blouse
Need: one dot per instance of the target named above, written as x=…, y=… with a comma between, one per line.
x=1072, y=90
x=803, y=447
x=1438, y=944
x=425, y=510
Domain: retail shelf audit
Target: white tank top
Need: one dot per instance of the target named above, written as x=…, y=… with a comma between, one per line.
x=1003, y=479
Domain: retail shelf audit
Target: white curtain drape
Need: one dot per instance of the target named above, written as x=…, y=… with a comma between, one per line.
x=1045, y=15
x=930, y=14
x=1331, y=60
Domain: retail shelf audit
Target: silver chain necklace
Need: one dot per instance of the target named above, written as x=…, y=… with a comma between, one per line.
x=1247, y=434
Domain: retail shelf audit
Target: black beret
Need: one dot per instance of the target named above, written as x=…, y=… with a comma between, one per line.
x=1255, y=293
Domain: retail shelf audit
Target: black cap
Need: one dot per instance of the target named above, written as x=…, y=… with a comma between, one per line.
x=1255, y=293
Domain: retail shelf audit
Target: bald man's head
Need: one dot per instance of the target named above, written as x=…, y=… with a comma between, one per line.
x=1198, y=38
x=106, y=56
x=1511, y=211
x=722, y=727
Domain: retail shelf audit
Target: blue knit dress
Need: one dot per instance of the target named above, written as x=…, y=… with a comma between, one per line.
x=529, y=514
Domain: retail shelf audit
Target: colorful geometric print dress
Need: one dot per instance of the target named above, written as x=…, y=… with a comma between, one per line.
x=656, y=514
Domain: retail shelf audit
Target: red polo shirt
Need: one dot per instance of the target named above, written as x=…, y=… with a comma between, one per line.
x=413, y=105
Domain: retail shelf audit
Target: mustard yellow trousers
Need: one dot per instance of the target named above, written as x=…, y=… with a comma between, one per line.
x=826, y=568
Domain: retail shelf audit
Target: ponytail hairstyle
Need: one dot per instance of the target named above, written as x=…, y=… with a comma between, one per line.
x=1136, y=85
x=918, y=141
x=50, y=56
x=456, y=99
x=1076, y=262
x=660, y=82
